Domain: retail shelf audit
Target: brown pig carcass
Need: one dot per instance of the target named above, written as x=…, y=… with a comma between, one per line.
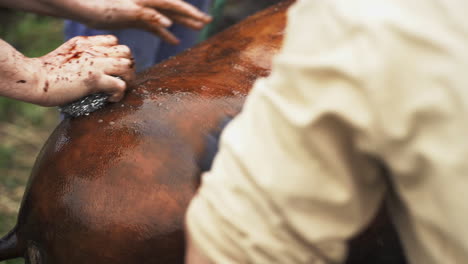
x=112, y=187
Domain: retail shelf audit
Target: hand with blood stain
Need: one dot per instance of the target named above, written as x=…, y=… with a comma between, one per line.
x=151, y=15
x=82, y=66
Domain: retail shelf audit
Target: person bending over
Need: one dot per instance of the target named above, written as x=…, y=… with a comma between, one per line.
x=359, y=88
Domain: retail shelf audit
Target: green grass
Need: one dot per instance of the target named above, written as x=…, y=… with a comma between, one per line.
x=32, y=34
x=23, y=127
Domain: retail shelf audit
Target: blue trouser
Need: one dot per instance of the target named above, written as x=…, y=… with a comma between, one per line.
x=147, y=48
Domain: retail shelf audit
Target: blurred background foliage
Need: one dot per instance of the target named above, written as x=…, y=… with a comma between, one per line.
x=23, y=127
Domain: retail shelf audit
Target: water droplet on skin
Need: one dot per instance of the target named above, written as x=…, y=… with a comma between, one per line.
x=111, y=123
x=100, y=121
x=122, y=105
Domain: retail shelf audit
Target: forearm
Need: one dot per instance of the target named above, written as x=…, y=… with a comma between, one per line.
x=37, y=6
x=70, y=9
x=20, y=77
x=81, y=66
x=151, y=15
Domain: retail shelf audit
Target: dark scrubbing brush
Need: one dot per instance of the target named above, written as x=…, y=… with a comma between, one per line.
x=85, y=105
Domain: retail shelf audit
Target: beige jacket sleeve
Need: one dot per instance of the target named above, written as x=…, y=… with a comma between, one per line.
x=357, y=83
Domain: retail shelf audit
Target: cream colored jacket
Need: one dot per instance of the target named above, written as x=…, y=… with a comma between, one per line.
x=359, y=84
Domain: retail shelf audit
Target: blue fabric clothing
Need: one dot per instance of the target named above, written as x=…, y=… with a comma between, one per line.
x=147, y=48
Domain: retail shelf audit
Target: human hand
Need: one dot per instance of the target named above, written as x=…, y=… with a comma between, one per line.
x=82, y=66
x=151, y=15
